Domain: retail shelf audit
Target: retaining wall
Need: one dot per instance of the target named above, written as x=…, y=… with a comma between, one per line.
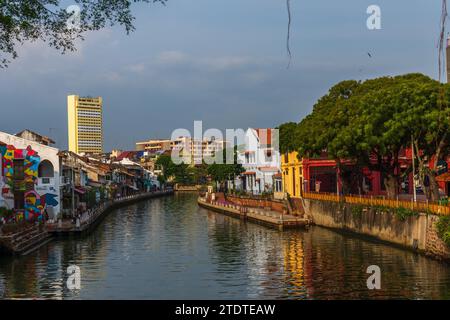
x=417, y=233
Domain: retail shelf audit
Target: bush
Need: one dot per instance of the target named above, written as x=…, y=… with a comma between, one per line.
x=443, y=229
x=6, y=213
x=403, y=213
x=357, y=210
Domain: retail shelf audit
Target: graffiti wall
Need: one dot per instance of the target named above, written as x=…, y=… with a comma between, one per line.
x=34, y=203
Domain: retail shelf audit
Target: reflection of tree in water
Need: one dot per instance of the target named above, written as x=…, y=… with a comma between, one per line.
x=336, y=264
x=227, y=243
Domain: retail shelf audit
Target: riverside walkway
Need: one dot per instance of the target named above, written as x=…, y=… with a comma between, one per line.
x=90, y=218
x=262, y=216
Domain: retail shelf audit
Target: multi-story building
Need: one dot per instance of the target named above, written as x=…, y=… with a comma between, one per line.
x=29, y=177
x=154, y=145
x=193, y=151
x=85, y=124
x=260, y=159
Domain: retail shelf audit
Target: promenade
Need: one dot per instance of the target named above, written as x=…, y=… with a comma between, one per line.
x=262, y=216
x=91, y=217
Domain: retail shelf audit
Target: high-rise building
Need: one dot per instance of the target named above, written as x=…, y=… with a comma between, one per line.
x=85, y=124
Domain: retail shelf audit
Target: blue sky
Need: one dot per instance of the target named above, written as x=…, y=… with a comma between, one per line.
x=222, y=62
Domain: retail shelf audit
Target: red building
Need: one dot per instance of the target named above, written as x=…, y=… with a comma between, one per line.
x=321, y=175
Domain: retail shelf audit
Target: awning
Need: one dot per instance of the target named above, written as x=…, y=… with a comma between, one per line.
x=80, y=190
x=249, y=173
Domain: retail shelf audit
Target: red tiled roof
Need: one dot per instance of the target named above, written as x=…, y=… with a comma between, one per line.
x=248, y=173
x=125, y=154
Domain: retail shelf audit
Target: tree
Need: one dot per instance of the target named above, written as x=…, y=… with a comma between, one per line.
x=48, y=21
x=370, y=124
x=288, y=138
x=221, y=172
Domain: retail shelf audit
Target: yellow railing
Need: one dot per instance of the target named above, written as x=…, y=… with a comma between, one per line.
x=424, y=207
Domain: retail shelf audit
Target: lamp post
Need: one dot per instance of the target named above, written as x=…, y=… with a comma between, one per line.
x=414, y=169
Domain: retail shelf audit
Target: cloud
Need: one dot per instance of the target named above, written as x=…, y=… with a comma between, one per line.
x=171, y=57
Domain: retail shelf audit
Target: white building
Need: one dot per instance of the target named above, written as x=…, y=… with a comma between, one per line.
x=260, y=158
x=29, y=176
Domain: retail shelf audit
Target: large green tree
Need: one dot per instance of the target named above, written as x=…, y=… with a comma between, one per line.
x=371, y=123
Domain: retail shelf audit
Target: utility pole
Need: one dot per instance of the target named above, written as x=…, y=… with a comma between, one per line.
x=414, y=169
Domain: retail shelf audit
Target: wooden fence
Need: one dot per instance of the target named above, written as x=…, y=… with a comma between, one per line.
x=419, y=206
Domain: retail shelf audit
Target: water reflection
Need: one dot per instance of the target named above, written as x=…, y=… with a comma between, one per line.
x=169, y=248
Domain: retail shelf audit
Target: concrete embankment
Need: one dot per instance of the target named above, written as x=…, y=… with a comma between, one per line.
x=90, y=219
x=261, y=216
x=418, y=232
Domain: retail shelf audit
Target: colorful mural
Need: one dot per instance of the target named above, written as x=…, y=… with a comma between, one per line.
x=31, y=163
x=33, y=206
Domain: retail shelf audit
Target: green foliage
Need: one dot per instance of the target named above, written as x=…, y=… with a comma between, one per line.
x=5, y=212
x=443, y=229
x=371, y=122
x=403, y=213
x=357, y=210
x=221, y=172
x=288, y=138
x=46, y=20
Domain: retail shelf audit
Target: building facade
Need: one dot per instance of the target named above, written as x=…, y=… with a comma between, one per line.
x=85, y=124
x=292, y=173
x=261, y=160
x=29, y=178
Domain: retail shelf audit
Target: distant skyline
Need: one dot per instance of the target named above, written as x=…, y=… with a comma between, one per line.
x=222, y=62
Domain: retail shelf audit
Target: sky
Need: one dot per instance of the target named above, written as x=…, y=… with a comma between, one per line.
x=221, y=62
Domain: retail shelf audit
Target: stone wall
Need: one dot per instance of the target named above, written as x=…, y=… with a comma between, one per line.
x=415, y=232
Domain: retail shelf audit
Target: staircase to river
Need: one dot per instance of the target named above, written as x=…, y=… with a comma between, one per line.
x=25, y=240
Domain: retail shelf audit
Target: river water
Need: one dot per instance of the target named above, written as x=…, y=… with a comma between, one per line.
x=169, y=248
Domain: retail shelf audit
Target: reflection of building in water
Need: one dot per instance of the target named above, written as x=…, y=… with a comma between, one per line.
x=294, y=263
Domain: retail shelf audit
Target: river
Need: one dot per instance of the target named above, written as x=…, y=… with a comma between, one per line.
x=169, y=248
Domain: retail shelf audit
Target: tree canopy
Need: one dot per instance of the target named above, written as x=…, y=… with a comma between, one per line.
x=371, y=123
x=49, y=21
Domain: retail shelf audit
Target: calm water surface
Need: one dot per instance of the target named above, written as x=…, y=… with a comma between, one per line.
x=169, y=248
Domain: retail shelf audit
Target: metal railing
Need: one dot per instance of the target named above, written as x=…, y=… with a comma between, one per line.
x=419, y=206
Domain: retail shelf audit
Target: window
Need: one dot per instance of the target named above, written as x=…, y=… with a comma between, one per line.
x=45, y=169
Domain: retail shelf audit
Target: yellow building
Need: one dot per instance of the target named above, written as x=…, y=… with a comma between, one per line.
x=85, y=124
x=291, y=168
